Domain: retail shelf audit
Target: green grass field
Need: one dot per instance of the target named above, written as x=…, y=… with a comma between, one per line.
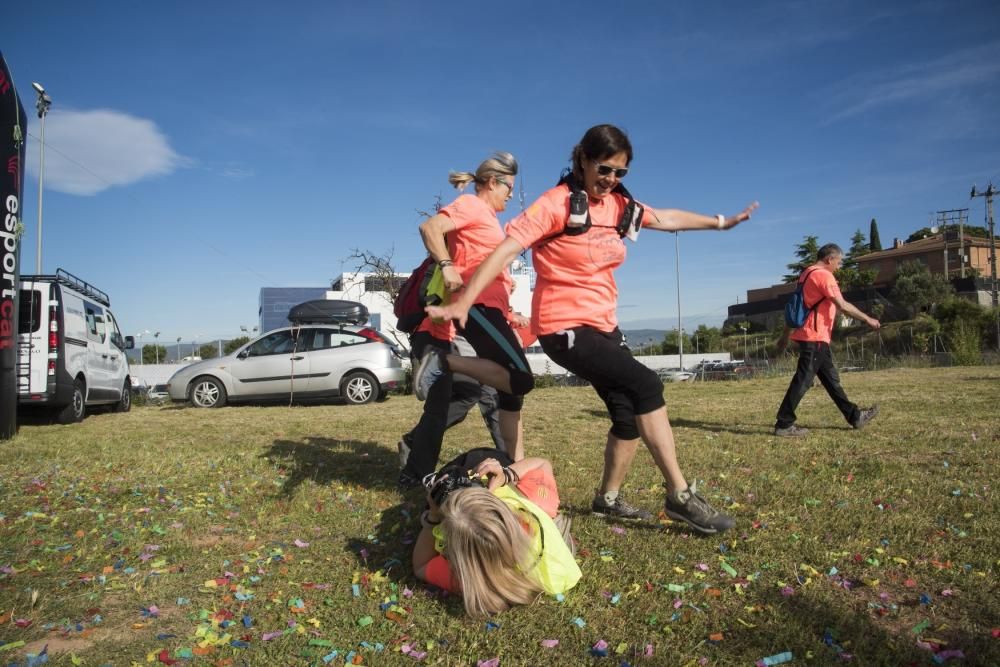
x=276, y=536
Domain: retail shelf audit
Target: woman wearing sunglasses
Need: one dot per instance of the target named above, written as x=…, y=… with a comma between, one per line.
x=459, y=238
x=576, y=231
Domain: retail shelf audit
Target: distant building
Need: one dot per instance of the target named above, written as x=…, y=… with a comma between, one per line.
x=275, y=302
x=941, y=253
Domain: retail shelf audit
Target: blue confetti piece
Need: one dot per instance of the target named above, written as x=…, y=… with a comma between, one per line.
x=490, y=626
x=328, y=658
x=776, y=659
x=247, y=621
x=239, y=643
x=182, y=601
x=163, y=636
x=355, y=590
x=579, y=622
x=925, y=598
x=560, y=597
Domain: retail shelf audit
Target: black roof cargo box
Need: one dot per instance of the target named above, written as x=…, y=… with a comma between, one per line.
x=328, y=311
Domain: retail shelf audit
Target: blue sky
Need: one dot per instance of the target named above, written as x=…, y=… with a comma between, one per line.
x=197, y=152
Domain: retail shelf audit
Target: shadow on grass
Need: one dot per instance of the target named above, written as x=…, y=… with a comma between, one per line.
x=329, y=460
x=847, y=627
x=388, y=550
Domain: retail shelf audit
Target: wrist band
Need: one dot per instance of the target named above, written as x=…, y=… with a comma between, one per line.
x=425, y=519
x=445, y=262
x=722, y=220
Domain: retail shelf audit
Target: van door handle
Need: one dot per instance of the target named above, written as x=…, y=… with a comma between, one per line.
x=297, y=358
x=104, y=356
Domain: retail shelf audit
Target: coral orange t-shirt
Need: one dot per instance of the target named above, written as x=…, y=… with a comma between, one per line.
x=477, y=234
x=575, y=283
x=819, y=284
x=537, y=486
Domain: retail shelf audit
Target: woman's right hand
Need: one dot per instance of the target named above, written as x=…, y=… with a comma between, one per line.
x=452, y=278
x=453, y=311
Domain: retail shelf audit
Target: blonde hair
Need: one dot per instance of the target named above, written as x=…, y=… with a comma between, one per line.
x=499, y=164
x=485, y=545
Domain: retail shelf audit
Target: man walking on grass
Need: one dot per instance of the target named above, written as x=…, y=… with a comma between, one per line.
x=822, y=297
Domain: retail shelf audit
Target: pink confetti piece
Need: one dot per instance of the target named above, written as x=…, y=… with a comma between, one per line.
x=268, y=636
x=617, y=530
x=702, y=567
x=550, y=643
x=154, y=610
x=300, y=544
x=947, y=593
x=492, y=662
x=787, y=591
x=601, y=645
x=649, y=651
x=407, y=593
x=678, y=603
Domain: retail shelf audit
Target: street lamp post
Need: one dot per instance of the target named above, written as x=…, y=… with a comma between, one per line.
x=743, y=325
x=178, y=349
x=42, y=105
x=680, y=330
x=156, y=346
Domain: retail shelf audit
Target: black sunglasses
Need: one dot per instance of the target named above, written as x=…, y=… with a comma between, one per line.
x=606, y=170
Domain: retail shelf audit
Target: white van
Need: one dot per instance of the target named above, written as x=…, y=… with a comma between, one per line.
x=71, y=353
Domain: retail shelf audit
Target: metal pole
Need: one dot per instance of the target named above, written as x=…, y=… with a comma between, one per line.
x=41, y=178
x=680, y=330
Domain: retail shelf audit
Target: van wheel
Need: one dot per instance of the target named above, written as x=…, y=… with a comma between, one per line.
x=75, y=410
x=359, y=387
x=125, y=403
x=208, y=392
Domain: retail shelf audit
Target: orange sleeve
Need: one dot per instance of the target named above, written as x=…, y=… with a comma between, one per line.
x=438, y=572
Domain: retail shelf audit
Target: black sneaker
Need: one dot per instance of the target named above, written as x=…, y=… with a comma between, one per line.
x=619, y=509
x=692, y=509
x=432, y=366
x=792, y=431
x=865, y=416
x=407, y=480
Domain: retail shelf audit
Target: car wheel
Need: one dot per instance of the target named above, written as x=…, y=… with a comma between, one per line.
x=125, y=403
x=208, y=392
x=77, y=407
x=359, y=387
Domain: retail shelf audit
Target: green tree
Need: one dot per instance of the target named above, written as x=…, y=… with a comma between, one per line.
x=806, y=252
x=235, y=343
x=917, y=289
x=849, y=275
x=707, y=339
x=670, y=345
x=208, y=351
x=874, y=242
x=153, y=354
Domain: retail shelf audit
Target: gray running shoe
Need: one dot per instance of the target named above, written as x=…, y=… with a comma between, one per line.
x=619, y=510
x=432, y=366
x=865, y=416
x=792, y=431
x=692, y=509
x=403, y=447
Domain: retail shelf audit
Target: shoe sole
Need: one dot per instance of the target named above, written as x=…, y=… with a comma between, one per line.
x=701, y=529
x=618, y=517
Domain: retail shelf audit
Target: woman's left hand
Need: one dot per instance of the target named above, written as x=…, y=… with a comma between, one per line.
x=492, y=469
x=743, y=215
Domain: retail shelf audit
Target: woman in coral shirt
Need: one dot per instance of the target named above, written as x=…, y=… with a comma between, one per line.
x=576, y=232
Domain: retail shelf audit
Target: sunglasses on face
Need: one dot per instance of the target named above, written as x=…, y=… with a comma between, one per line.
x=607, y=170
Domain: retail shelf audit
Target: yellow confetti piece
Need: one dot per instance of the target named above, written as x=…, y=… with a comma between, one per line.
x=678, y=570
x=744, y=623
x=901, y=561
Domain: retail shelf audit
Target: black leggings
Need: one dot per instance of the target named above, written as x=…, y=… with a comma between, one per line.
x=489, y=333
x=627, y=387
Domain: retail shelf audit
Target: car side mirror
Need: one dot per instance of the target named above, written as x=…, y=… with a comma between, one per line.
x=129, y=343
x=243, y=354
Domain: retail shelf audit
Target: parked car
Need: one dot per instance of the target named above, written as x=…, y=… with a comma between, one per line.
x=675, y=375
x=157, y=393
x=312, y=361
x=70, y=351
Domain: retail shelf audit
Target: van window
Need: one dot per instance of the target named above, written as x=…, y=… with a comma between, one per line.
x=29, y=311
x=116, y=334
x=96, y=330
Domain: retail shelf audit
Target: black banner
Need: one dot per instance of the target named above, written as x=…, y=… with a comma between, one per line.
x=13, y=132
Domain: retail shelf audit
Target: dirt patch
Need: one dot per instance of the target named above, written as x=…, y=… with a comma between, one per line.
x=59, y=645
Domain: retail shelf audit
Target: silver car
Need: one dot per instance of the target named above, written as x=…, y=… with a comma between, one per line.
x=311, y=361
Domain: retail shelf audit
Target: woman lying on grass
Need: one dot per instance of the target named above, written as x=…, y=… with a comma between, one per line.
x=497, y=545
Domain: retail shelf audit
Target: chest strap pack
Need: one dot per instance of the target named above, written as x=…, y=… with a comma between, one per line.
x=579, y=210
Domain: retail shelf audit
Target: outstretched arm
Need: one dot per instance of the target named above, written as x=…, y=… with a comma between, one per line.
x=491, y=267
x=855, y=312
x=676, y=220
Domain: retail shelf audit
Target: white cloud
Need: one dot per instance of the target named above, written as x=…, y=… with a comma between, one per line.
x=87, y=152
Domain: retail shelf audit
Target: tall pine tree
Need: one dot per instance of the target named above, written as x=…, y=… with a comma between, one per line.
x=874, y=242
x=806, y=252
